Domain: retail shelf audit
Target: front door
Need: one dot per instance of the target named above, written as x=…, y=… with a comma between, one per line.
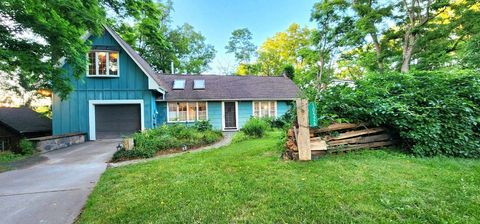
x=230, y=115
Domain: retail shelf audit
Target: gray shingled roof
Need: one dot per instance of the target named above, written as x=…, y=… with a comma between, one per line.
x=24, y=120
x=220, y=87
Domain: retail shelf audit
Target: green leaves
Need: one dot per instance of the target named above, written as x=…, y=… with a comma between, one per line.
x=435, y=113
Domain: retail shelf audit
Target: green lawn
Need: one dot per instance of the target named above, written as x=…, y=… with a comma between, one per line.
x=247, y=182
x=6, y=157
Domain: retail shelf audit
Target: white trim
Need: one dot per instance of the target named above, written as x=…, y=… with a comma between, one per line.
x=151, y=86
x=154, y=87
x=107, y=75
x=269, y=107
x=236, y=116
x=187, y=121
x=91, y=113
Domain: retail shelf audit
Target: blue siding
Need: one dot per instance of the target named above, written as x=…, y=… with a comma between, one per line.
x=244, y=112
x=282, y=107
x=215, y=114
x=71, y=115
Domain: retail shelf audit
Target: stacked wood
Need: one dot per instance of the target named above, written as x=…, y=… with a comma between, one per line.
x=342, y=137
x=291, y=145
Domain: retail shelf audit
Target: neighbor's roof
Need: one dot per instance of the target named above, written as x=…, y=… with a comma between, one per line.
x=24, y=120
x=221, y=87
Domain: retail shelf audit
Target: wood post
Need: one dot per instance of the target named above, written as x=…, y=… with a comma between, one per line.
x=303, y=140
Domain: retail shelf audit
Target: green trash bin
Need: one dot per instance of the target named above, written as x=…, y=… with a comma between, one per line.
x=312, y=114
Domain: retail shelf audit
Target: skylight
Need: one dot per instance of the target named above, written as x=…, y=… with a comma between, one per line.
x=179, y=84
x=199, y=84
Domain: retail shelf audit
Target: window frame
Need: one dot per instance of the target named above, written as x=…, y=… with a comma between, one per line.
x=196, y=81
x=259, y=103
x=188, y=120
x=107, y=75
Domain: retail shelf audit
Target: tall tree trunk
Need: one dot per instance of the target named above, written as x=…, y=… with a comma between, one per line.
x=378, y=51
x=320, y=72
x=409, y=41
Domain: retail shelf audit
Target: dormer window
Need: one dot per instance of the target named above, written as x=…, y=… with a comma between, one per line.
x=179, y=84
x=103, y=64
x=199, y=84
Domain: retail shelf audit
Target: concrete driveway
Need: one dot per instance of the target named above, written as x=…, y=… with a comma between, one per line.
x=54, y=190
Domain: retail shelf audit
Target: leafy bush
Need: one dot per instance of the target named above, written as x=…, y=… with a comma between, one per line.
x=149, y=142
x=435, y=113
x=26, y=147
x=240, y=137
x=203, y=125
x=255, y=127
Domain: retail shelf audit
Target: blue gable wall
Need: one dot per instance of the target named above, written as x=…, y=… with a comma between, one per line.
x=71, y=115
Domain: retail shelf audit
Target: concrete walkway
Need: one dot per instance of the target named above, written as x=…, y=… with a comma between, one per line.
x=227, y=139
x=56, y=188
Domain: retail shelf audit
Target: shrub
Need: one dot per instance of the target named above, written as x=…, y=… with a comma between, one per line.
x=435, y=113
x=255, y=127
x=149, y=142
x=239, y=137
x=203, y=125
x=26, y=147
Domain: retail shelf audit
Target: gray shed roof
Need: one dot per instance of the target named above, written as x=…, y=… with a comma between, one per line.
x=221, y=87
x=24, y=120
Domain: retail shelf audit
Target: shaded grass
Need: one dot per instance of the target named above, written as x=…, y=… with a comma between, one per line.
x=247, y=182
x=7, y=157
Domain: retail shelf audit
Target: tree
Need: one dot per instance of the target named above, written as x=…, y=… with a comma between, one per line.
x=418, y=14
x=331, y=21
x=192, y=55
x=36, y=35
x=284, y=48
x=240, y=44
x=149, y=32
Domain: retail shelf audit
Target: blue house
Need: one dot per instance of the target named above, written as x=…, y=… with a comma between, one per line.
x=122, y=94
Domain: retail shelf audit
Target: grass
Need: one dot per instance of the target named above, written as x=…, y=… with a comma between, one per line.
x=6, y=157
x=247, y=182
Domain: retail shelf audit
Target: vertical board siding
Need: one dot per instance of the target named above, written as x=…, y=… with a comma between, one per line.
x=71, y=114
x=245, y=111
x=215, y=114
x=283, y=107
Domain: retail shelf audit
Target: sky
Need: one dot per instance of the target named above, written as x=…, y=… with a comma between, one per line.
x=216, y=19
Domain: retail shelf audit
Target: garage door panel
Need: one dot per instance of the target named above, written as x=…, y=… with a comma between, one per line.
x=115, y=121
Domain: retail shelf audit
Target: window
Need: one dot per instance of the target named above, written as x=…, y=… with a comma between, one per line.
x=103, y=63
x=187, y=111
x=182, y=111
x=202, y=110
x=192, y=111
x=198, y=84
x=172, y=112
x=179, y=84
x=264, y=108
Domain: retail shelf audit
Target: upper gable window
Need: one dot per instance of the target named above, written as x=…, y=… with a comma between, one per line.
x=199, y=84
x=103, y=64
x=179, y=84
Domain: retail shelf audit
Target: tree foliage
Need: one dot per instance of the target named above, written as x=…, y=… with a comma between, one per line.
x=435, y=113
x=149, y=31
x=241, y=45
x=37, y=36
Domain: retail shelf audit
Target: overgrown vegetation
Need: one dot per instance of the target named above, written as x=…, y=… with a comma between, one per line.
x=177, y=136
x=26, y=147
x=435, y=113
x=247, y=183
x=255, y=127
